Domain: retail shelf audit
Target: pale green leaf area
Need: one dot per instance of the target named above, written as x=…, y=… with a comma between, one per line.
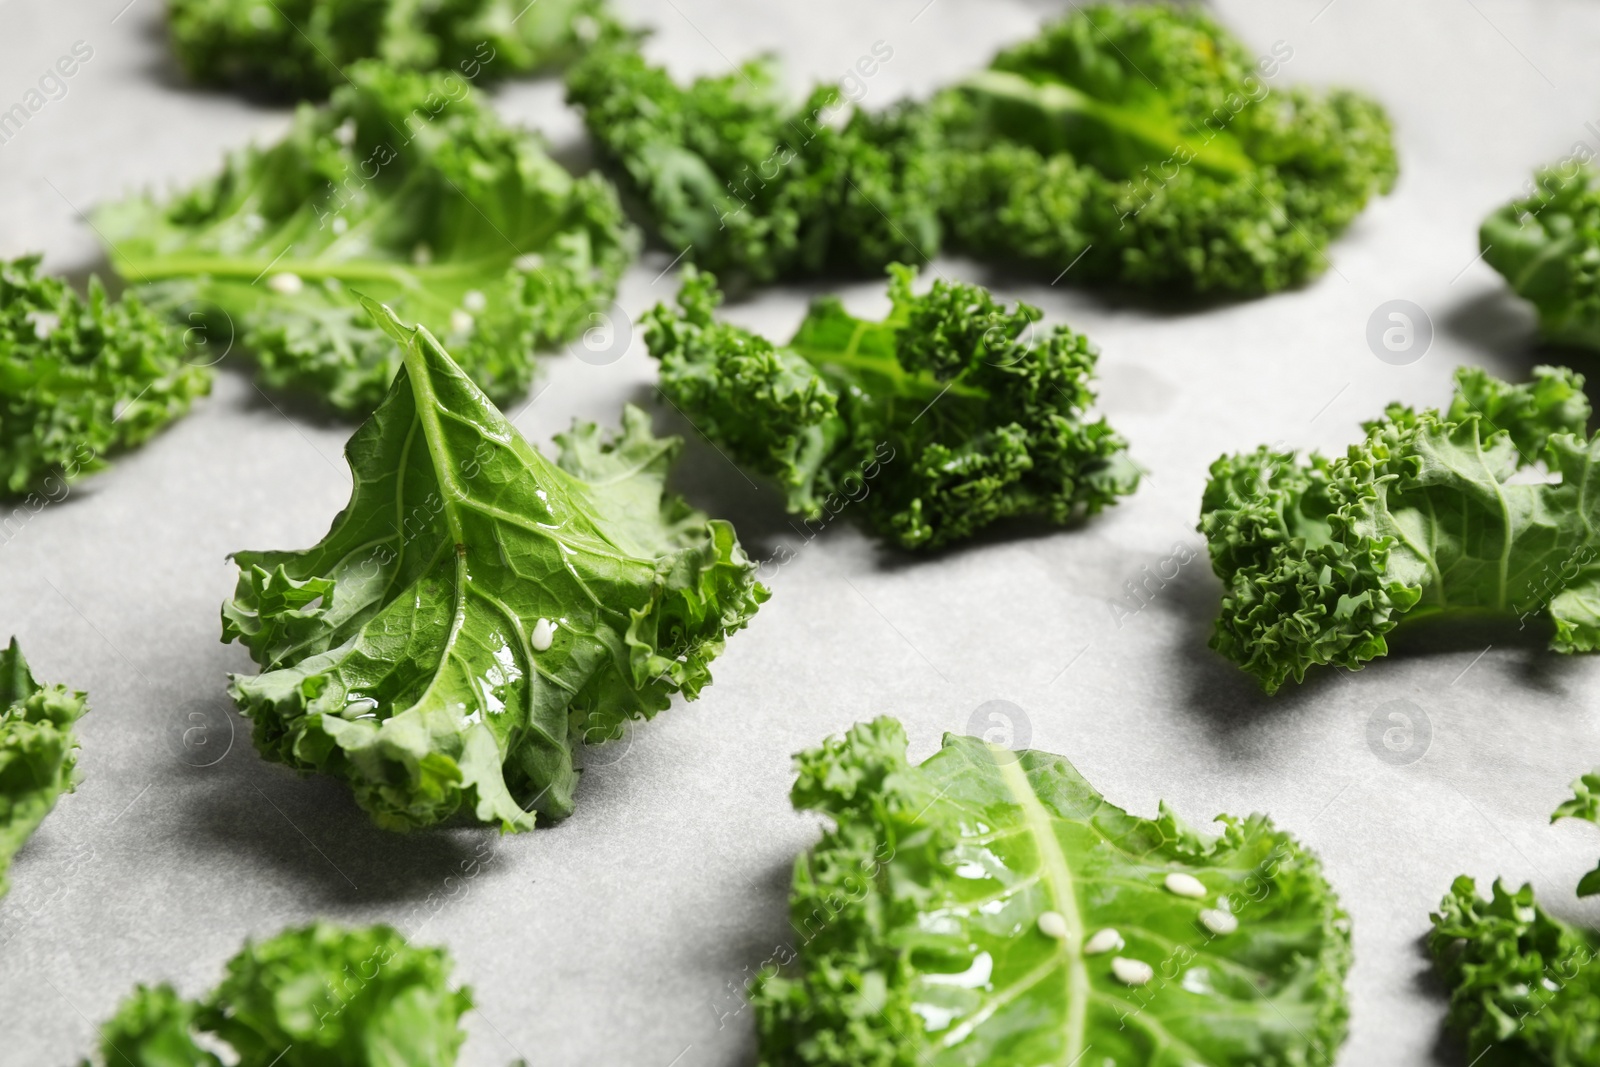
x=477, y=611
x=990, y=907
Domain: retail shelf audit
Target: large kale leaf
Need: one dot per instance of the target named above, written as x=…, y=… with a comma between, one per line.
x=1547, y=244
x=477, y=610
x=408, y=188
x=990, y=907
x=37, y=751
x=298, y=48
x=1144, y=145
x=950, y=414
x=80, y=378
x=1435, y=513
x=742, y=181
x=316, y=996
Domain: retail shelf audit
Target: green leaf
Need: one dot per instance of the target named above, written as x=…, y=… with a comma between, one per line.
x=315, y=996
x=403, y=653
x=732, y=173
x=955, y=912
x=298, y=48
x=38, y=751
x=1144, y=145
x=1547, y=245
x=405, y=187
x=1585, y=804
x=1524, y=991
x=1435, y=514
x=80, y=379
x=952, y=413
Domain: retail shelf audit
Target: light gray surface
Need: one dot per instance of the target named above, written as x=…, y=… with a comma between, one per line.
x=622, y=935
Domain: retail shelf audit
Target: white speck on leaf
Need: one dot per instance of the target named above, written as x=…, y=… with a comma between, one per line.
x=1132, y=972
x=287, y=283
x=1218, y=921
x=1186, y=885
x=1053, y=924
x=474, y=300
x=544, y=632
x=1107, y=940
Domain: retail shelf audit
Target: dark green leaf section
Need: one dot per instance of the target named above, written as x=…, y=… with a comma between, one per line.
x=1547, y=244
x=950, y=916
x=477, y=610
x=405, y=187
x=38, y=751
x=1524, y=986
x=1146, y=146
x=733, y=174
x=1585, y=804
x=952, y=413
x=316, y=996
x=80, y=379
x=298, y=48
x=1435, y=513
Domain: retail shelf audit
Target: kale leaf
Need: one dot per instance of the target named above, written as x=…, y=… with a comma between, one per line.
x=298, y=48
x=316, y=996
x=80, y=378
x=37, y=751
x=747, y=184
x=477, y=610
x=409, y=189
x=950, y=414
x=989, y=906
x=1426, y=517
x=1145, y=146
x=1524, y=988
x=1585, y=804
x=1547, y=245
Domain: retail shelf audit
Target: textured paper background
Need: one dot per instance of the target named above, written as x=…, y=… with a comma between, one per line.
x=623, y=935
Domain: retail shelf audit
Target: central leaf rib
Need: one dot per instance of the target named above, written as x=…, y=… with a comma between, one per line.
x=1062, y=888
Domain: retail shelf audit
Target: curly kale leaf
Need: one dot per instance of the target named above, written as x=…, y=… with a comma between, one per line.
x=749, y=185
x=952, y=413
x=1547, y=245
x=317, y=996
x=407, y=188
x=1585, y=804
x=1524, y=986
x=80, y=378
x=1427, y=517
x=37, y=751
x=297, y=48
x=476, y=609
x=989, y=906
x=1145, y=146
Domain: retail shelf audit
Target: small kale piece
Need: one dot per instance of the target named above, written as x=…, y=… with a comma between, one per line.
x=1321, y=558
x=1143, y=145
x=952, y=413
x=80, y=379
x=1524, y=986
x=1585, y=804
x=1547, y=245
x=477, y=609
x=37, y=751
x=406, y=188
x=749, y=185
x=316, y=996
x=298, y=48
x=990, y=907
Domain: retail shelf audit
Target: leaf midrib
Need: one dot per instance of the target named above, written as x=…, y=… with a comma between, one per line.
x=1056, y=873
